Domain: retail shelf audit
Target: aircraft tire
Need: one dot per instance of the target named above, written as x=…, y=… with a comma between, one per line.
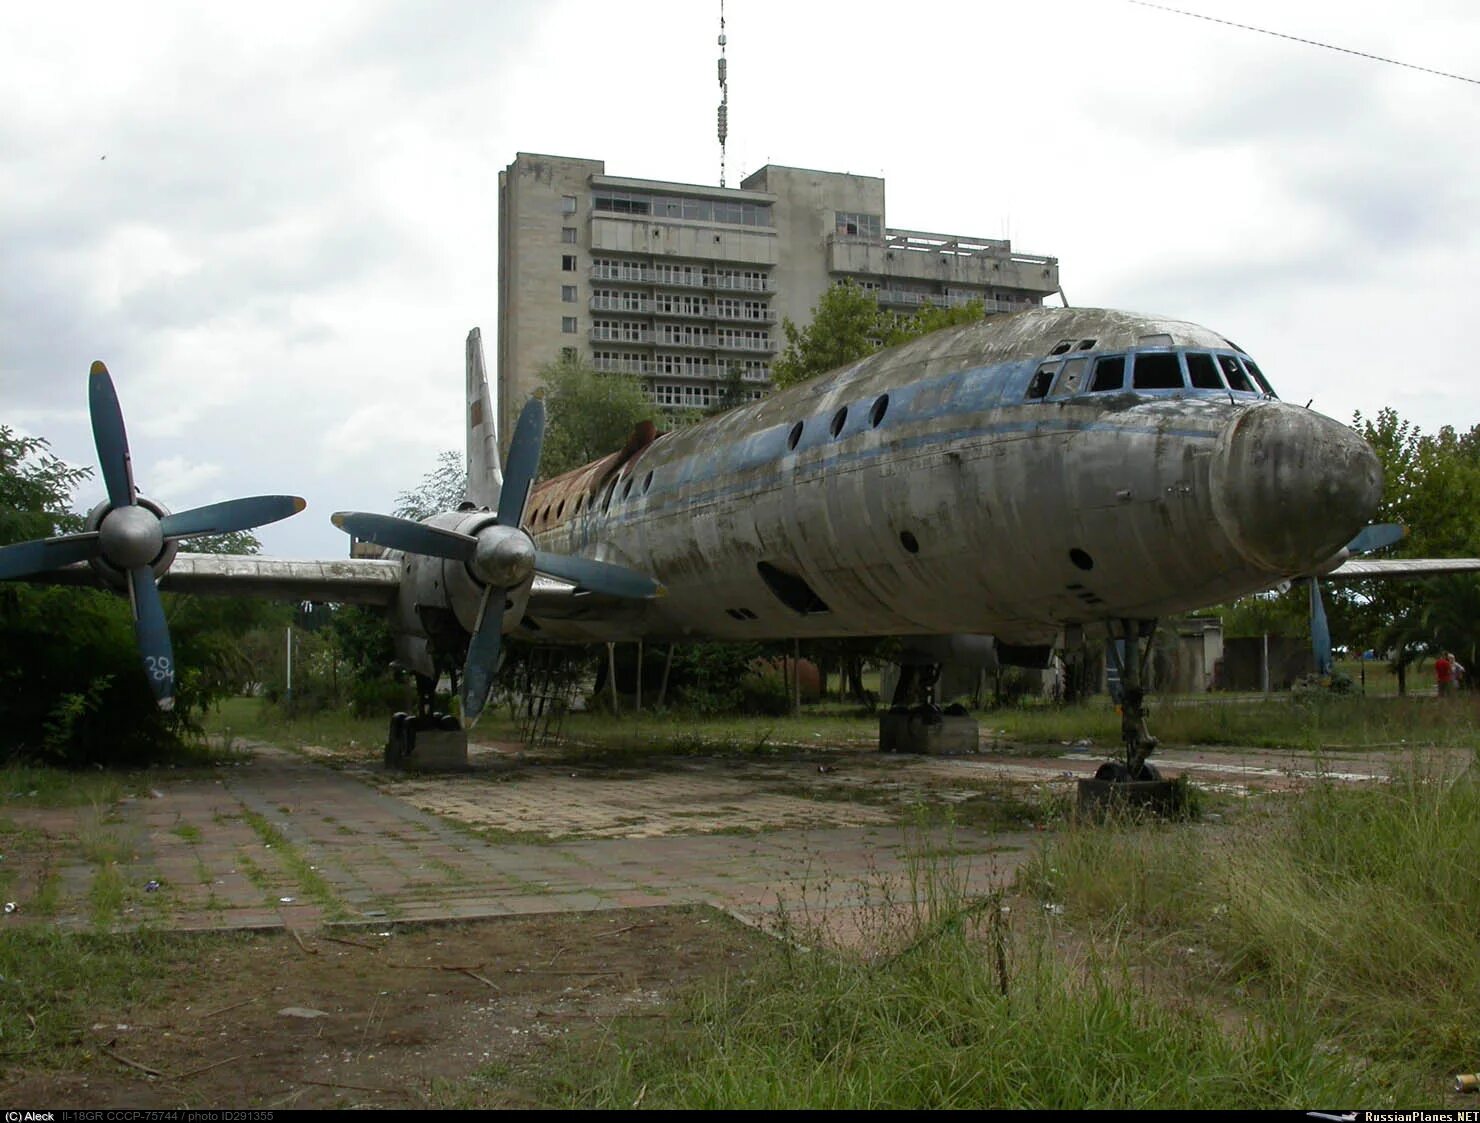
x=1113, y=771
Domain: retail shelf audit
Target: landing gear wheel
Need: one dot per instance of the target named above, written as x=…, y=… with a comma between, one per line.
x=1113, y=771
x=1147, y=771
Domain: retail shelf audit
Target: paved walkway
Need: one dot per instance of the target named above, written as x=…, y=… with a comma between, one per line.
x=286, y=841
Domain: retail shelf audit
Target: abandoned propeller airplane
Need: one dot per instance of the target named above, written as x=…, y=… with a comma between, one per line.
x=991, y=488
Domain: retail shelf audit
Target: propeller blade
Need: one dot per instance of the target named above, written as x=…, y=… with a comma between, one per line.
x=1320, y=631
x=406, y=536
x=110, y=437
x=153, y=635
x=524, y=462
x=597, y=576
x=232, y=515
x=482, y=661
x=26, y=558
x=1375, y=537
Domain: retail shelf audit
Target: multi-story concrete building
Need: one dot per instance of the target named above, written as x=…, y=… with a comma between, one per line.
x=681, y=284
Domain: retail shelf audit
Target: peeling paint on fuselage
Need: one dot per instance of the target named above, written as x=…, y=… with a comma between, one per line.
x=923, y=494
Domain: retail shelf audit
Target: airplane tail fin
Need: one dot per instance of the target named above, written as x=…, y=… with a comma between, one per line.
x=485, y=474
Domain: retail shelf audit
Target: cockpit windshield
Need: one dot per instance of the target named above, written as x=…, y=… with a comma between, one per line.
x=1152, y=369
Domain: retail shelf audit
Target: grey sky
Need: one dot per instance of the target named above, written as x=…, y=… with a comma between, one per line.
x=295, y=223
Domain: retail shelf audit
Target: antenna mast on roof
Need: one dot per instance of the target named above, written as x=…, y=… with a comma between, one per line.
x=724, y=101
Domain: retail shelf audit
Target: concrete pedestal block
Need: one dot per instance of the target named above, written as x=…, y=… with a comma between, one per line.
x=426, y=745
x=950, y=735
x=438, y=750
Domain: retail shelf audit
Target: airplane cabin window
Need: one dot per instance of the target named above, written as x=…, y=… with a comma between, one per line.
x=1042, y=381
x=1109, y=373
x=1157, y=370
x=1237, y=379
x=1203, y=372
x=1259, y=378
x=1070, y=378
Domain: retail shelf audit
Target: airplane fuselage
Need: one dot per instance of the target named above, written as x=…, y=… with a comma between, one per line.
x=976, y=480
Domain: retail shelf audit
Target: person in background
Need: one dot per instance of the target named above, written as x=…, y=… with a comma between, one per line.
x=1444, y=673
x=1456, y=671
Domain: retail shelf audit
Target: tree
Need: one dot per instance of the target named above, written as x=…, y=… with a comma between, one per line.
x=591, y=413
x=35, y=489
x=1431, y=484
x=848, y=324
x=441, y=489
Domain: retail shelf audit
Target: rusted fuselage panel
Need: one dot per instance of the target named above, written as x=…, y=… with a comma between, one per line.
x=921, y=491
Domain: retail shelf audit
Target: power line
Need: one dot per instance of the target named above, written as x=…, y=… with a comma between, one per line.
x=1307, y=42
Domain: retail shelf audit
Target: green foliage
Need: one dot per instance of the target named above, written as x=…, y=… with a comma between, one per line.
x=72, y=689
x=591, y=413
x=1432, y=486
x=35, y=489
x=441, y=489
x=848, y=324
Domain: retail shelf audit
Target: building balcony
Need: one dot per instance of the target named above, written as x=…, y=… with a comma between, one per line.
x=665, y=278
x=647, y=307
x=658, y=368
x=901, y=298
x=640, y=336
x=944, y=259
x=764, y=346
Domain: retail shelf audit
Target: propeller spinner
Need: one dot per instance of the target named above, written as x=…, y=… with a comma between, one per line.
x=501, y=556
x=132, y=535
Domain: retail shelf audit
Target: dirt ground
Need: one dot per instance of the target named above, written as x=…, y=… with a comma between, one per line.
x=371, y=1017
x=333, y=1008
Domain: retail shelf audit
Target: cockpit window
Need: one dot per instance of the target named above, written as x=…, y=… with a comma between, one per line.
x=1109, y=373
x=1202, y=371
x=1259, y=378
x=1070, y=378
x=1061, y=346
x=1237, y=379
x=1157, y=370
x=1042, y=380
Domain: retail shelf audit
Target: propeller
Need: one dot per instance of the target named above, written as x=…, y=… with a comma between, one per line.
x=501, y=556
x=131, y=536
x=1372, y=537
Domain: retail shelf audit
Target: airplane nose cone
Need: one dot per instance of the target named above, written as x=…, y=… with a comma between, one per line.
x=1290, y=487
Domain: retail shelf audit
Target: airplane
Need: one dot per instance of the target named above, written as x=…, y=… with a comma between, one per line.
x=997, y=486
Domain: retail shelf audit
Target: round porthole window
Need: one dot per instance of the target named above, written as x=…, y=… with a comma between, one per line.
x=880, y=408
x=909, y=542
x=794, y=437
x=839, y=420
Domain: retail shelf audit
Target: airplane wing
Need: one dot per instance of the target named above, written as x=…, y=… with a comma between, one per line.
x=352, y=581
x=1358, y=569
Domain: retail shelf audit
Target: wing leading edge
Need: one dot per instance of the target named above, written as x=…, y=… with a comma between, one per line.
x=353, y=581
x=1358, y=569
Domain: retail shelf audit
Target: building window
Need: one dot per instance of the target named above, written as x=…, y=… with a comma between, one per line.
x=567, y=204
x=568, y=235
x=568, y=324
x=568, y=294
x=855, y=225
x=568, y=263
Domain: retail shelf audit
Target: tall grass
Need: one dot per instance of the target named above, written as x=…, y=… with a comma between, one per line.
x=1355, y=905
x=969, y=1010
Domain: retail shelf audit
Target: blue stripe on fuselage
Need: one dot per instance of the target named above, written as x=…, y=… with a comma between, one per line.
x=978, y=390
